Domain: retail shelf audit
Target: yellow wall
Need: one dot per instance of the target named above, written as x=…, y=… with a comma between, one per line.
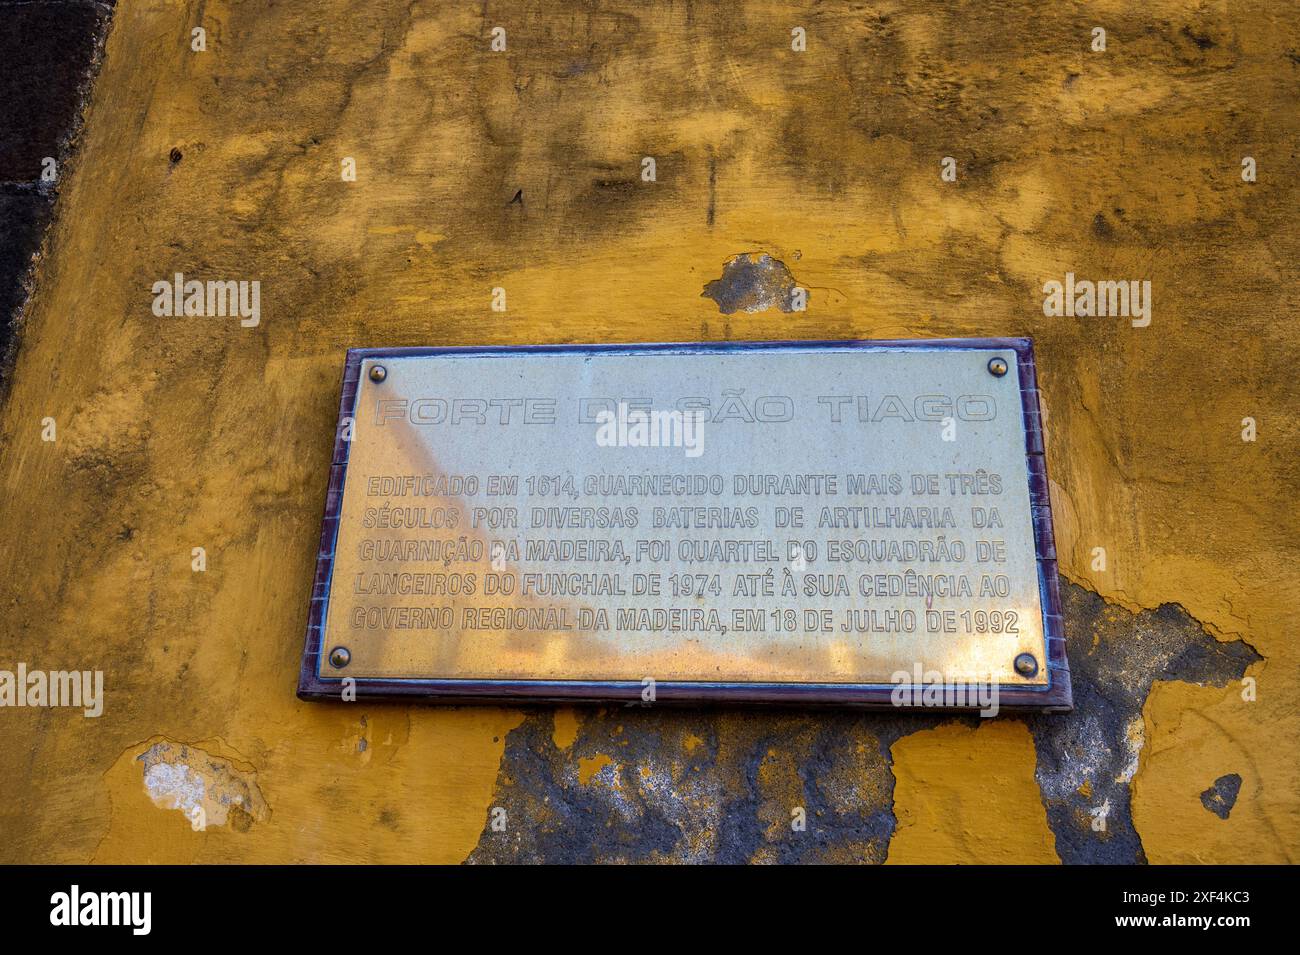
x=177, y=433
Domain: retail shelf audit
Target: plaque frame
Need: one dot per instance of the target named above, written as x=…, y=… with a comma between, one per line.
x=1055, y=696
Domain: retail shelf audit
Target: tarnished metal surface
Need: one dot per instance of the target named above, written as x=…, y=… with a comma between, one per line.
x=804, y=515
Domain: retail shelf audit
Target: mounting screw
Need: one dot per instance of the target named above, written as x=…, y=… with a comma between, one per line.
x=997, y=367
x=1025, y=665
x=342, y=656
x=378, y=373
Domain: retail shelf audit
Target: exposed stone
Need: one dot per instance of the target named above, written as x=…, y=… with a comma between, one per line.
x=752, y=282
x=690, y=786
x=1222, y=796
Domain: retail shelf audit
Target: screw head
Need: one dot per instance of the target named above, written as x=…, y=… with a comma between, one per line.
x=997, y=367
x=1026, y=665
x=340, y=657
x=378, y=373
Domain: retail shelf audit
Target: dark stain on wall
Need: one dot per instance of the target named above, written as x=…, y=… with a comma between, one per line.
x=645, y=784
x=49, y=49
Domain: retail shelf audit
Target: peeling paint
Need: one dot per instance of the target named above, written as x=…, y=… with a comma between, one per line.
x=566, y=727
x=965, y=794
x=752, y=282
x=208, y=790
x=1115, y=658
x=589, y=766
x=1222, y=796
x=1133, y=739
x=657, y=784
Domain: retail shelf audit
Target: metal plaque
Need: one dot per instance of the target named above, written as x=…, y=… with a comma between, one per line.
x=822, y=522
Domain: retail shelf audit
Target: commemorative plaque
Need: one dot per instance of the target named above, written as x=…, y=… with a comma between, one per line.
x=858, y=523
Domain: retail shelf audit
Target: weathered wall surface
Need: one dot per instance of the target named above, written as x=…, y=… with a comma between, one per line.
x=50, y=51
x=521, y=169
